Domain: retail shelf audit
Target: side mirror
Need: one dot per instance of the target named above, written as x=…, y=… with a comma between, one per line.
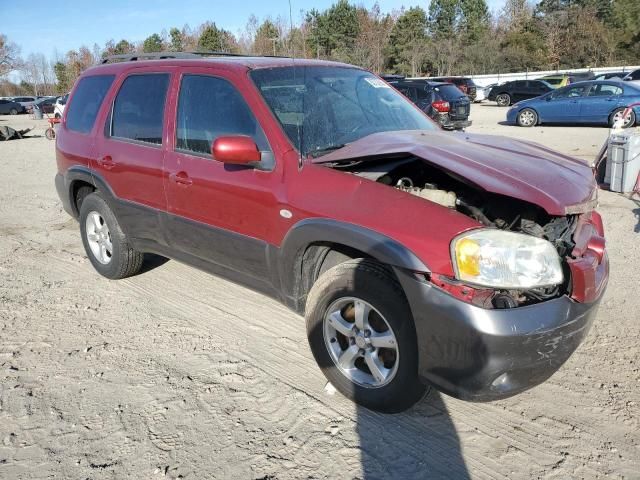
x=235, y=149
x=548, y=98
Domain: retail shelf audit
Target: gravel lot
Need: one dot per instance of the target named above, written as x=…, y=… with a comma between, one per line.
x=174, y=373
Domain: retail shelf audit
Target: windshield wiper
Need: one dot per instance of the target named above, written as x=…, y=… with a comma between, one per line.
x=316, y=152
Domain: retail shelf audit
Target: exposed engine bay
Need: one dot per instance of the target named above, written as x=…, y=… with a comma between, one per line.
x=417, y=177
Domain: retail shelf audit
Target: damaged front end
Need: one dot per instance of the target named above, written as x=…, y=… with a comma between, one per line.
x=534, y=273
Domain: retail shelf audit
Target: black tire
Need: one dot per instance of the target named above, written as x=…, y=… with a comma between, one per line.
x=629, y=123
x=50, y=133
x=13, y=111
x=124, y=260
x=527, y=117
x=503, y=99
x=375, y=284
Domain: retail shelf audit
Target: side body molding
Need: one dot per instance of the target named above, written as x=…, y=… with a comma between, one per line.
x=325, y=231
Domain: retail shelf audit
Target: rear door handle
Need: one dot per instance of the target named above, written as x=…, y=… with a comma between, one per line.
x=106, y=162
x=181, y=177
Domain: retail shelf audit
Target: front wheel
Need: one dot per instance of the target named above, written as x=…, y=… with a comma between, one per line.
x=13, y=111
x=362, y=335
x=527, y=118
x=503, y=100
x=50, y=133
x=106, y=245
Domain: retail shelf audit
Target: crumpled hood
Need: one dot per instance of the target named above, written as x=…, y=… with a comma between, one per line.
x=528, y=171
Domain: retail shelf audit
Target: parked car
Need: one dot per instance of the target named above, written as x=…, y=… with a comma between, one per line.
x=10, y=107
x=59, y=106
x=632, y=76
x=593, y=102
x=465, y=84
x=611, y=76
x=26, y=102
x=417, y=257
x=482, y=93
x=514, y=91
x=443, y=102
x=557, y=81
x=46, y=104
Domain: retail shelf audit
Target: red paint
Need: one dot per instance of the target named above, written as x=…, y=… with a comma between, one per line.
x=249, y=201
x=502, y=165
x=236, y=149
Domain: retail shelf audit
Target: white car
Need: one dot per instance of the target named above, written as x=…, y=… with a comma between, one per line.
x=482, y=93
x=26, y=102
x=58, y=109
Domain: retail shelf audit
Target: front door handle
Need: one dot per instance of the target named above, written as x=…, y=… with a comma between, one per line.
x=181, y=177
x=106, y=162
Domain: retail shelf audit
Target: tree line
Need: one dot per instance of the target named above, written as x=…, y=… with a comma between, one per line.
x=448, y=37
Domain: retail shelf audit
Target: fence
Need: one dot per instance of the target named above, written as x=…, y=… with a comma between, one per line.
x=483, y=80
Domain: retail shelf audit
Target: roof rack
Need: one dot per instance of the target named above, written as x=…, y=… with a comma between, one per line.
x=132, y=57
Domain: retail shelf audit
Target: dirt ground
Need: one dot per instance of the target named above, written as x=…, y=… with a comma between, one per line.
x=178, y=374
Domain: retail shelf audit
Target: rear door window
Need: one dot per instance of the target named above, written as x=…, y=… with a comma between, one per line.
x=87, y=99
x=210, y=107
x=605, y=90
x=138, y=110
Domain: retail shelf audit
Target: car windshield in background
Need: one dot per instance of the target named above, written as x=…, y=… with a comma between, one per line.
x=324, y=108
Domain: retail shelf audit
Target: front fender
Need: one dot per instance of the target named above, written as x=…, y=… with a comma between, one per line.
x=322, y=230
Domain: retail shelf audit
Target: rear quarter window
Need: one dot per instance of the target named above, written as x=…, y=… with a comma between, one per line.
x=86, y=101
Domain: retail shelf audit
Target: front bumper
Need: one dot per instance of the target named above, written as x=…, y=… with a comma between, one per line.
x=512, y=114
x=481, y=354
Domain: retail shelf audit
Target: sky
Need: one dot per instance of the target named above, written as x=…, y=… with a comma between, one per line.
x=68, y=24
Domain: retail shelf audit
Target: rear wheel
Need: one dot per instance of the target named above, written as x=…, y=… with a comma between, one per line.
x=106, y=245
x=503, y=99
x=361, y=333
x=527, y=118
x=13, y=111
x=629, y=120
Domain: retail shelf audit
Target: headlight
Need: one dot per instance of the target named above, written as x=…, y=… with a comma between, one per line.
x=500, y=259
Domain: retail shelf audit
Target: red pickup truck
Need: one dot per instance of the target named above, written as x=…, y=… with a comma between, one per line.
x=418, y=257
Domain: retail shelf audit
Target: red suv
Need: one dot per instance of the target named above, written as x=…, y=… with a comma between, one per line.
x=471, y=263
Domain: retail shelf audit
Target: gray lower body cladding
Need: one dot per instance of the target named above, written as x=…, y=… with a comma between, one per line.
x=481, y=354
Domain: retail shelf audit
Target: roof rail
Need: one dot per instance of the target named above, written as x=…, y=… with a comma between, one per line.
x=132, y=57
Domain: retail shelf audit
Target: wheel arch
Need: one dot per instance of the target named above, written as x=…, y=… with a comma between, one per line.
x=312, y=246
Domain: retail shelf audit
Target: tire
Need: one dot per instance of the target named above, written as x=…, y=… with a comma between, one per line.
x=332, y=302
x=50, y=133
x=631, y=120
x=503, y=99
x=108, y=249
x=13, y=111
x=527, y=118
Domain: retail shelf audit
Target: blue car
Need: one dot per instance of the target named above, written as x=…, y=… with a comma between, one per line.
x=592, y=102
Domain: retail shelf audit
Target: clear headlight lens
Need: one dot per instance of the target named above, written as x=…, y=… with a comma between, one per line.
x=500, y=259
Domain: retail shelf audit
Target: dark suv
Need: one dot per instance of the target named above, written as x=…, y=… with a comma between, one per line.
x=443, y=102
x=417, y=257
x=509, y=93
x=465, y=84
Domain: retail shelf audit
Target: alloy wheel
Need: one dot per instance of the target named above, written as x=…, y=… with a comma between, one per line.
x=618, y=116
x=527, y=118
x=502, y=100
x=361, y=342
x=99, y=237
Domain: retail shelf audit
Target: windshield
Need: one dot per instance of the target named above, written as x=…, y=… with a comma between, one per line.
x=324, y=108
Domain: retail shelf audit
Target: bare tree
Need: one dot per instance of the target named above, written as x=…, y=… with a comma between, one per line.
x=9, y=55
